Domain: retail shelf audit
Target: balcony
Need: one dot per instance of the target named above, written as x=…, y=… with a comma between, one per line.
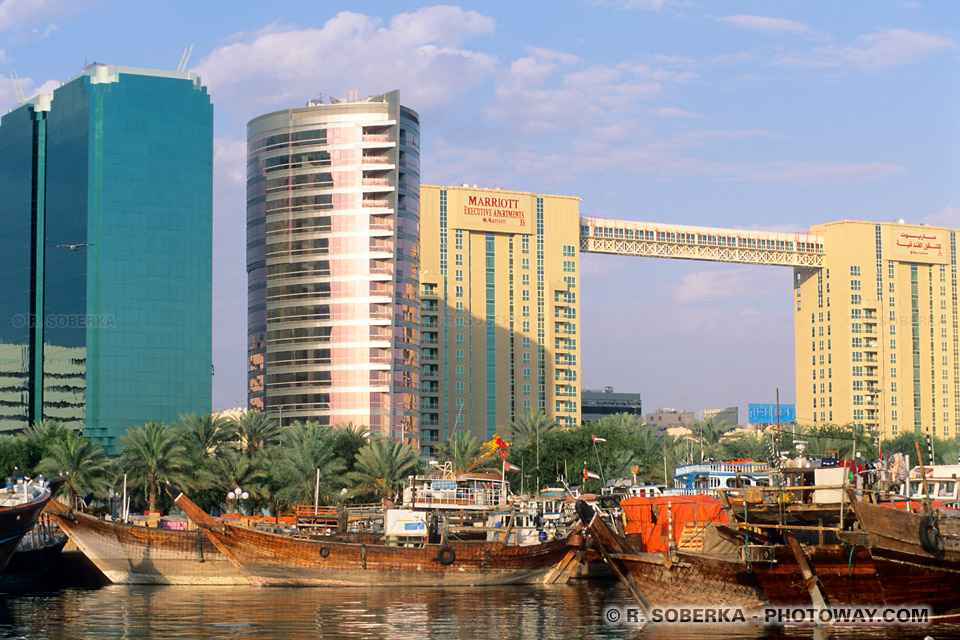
x=375, y=159
x=376, y=203
x=430, y=371
x=376, y=137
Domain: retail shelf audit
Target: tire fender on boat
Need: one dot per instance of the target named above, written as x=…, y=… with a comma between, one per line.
x=930, y=537
x=446, y=555
x=324, y=552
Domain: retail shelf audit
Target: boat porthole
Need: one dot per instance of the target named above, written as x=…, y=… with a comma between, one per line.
x=324, y=552
x=446, y=555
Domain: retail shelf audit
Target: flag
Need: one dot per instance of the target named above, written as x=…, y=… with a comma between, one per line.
x=509, y=467
x=588, y=474
x=503, y=454
x=596, y=439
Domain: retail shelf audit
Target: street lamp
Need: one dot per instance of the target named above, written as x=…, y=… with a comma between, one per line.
x=236, y=496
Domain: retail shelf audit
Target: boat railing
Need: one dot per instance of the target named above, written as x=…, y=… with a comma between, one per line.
x=459, y=498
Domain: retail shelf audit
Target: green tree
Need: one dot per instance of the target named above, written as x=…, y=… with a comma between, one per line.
x=348, y=439
x=86, y=466
x=307, y=447
x=466, y=453
x=205, y=434
x=528, y=426
x=151, y=455
x=16, y=454
x=234, y=469
x=381, y=468
x=255, y=431
x=709, y=434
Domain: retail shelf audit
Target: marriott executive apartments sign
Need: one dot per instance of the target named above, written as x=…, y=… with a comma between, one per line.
x=494, y=212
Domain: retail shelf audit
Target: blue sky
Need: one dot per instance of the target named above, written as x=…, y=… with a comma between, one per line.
x=737, y=114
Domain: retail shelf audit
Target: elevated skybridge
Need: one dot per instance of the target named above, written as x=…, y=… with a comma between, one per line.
x=626, y=238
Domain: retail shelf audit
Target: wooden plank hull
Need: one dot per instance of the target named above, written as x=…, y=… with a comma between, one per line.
x=278, y=560
x=695, y=580
x=851, y=575
x=269, y=559
x=128, y=554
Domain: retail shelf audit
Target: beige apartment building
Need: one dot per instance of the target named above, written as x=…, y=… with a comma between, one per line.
x=500, y=302
x=876, y=329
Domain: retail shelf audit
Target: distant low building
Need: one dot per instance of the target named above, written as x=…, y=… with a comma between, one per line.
x=730, y=415
x=596, y=404
x=665, y=418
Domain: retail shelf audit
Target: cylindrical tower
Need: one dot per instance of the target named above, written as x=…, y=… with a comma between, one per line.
x=333, y=264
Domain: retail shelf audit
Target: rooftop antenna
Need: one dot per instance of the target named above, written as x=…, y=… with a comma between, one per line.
x=17, y=88
x=185, y=58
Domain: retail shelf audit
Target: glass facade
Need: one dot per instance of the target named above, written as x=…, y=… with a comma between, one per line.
x=333, y=265
x=126, y=330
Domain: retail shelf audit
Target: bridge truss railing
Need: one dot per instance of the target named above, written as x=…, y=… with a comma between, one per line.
x=620, y=237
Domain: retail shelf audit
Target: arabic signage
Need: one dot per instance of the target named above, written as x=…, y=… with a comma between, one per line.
x=919, y=244
x=491, y=211
x=767, y=413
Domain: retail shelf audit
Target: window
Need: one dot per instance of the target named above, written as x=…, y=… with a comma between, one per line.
x=459, y=387
x=526, y=342
x=893, y=358
x=459, y=370
x=854, y=299
x=459, y=323
x=459, y=291
x=526, y=389
x=526, y=279
x=526, y=373
x=459, y=275
x=525, y=294
x=458, y=244
x=855, y=285
x=855, y=270
x=459, y=355
x=525, y=263
x=459, y=339
x=458, y=259
x=526, y=358
x=526, y=311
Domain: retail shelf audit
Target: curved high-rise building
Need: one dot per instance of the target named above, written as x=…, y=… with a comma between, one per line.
x=332, y=264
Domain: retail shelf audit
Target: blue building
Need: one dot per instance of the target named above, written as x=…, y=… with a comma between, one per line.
x=106, y=219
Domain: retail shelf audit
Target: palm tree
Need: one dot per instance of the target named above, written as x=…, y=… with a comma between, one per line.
x=205, y=434
x=234, y=469
x=465, y=453
x=256, y=431
x=530, y=426
x=381, y=467
x=708, y=433
x=307, y=448
x=82, y=461
x=152, y=454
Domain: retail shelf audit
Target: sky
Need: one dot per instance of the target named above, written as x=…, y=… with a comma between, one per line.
x=755, y=115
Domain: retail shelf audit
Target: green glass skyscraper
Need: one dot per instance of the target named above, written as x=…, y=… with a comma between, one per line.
x=106, y=233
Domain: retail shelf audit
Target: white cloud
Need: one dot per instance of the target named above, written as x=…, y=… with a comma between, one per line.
x=23, y=14
x=419, y=53
x=878, y=51
x=676, y=112
x=770, y=26
x=726, y=285
x=652, y=5
x=949, y=216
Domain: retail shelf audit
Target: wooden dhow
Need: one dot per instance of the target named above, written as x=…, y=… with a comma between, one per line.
x=271, y=559
x=20, y=506
x=130, y=554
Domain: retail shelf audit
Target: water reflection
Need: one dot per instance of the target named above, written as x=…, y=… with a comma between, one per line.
x=561, y=611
